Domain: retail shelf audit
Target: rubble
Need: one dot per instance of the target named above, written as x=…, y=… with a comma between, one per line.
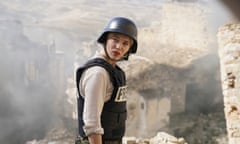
x=165, y=138
x=63, y=137
x=160, y=138
x=56, y=136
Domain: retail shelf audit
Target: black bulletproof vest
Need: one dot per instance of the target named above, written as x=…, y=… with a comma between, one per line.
x=114, y=112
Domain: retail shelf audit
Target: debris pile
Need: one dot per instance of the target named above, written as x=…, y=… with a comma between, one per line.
x=160, y=138
x=56, y=136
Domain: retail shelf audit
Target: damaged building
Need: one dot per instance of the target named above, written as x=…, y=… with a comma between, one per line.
x=175, y=82
x=32, y=79
x=229, y=53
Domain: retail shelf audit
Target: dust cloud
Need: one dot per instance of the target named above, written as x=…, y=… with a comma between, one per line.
x=30, y=34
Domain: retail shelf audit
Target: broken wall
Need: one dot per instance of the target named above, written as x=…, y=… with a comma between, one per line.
x=229, y=53
x=184, y=25
x=179, y=48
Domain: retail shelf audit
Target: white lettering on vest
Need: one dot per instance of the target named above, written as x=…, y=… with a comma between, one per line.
x=121, y=94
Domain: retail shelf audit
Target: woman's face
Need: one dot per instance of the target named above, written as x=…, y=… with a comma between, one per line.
x=117, y=45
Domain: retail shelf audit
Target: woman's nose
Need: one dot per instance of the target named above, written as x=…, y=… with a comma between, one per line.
x=119, y=45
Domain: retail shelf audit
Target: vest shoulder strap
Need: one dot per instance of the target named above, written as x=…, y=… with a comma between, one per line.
x=94, y=62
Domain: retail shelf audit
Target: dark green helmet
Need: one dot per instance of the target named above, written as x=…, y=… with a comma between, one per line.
x=121, y=25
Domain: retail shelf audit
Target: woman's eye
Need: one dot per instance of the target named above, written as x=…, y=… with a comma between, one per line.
x=126, y=44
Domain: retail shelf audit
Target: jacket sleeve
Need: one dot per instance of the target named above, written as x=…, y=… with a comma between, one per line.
x=95, y=87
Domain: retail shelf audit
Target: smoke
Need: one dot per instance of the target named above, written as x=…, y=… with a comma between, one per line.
x=25, y=105
x=219, y=14
x=27, y=87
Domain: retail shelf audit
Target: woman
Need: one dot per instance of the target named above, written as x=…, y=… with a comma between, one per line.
x=101, y=85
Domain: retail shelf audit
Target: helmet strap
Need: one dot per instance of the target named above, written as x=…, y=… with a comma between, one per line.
x=105, y=50
x=125, y=57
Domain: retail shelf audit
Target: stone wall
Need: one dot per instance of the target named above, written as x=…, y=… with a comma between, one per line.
x=229, y=52
x=184, y=25
x=181, y=34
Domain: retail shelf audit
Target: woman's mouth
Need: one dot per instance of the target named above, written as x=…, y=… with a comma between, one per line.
x=116, y=53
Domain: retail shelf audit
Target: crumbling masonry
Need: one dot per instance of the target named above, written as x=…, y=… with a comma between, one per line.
x=229, y=53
